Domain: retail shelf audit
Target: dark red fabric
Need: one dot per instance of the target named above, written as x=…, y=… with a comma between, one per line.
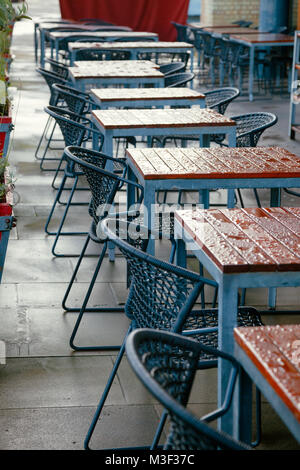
x=141, y=15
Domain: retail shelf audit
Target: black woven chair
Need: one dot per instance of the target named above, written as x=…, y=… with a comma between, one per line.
x=101, y=54
x=104, y=186
x=178, y=79
x=76, y=130
x=173, y=67
x=161, y=296
x=166, y=363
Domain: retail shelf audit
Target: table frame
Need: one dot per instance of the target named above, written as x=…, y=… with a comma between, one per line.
x=229, y=284
x=249, y=370
x=252, y=47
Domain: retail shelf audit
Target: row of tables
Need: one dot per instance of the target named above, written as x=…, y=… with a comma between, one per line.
x=240, y=248
x=251, y=38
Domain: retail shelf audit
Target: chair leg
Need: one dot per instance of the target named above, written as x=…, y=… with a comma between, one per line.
x=104, y=395
x=159, y=430
x=43, y=158
x=59, y=231
x=60, y=189
x=84, y=309
x=64, y=306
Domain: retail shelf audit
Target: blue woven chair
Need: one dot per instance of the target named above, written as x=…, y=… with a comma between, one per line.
x=166, y=363
x=50, y=78
x=68, y=98
x=178, y=79
x=57, y=67
x=76, y=130
x=183, y=32
x=104, y=186
x=161, y=296
x=173, y=67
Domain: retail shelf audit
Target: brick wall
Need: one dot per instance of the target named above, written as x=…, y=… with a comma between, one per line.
x=216, y=12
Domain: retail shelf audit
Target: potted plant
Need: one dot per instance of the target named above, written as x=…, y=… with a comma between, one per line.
x=8, y=16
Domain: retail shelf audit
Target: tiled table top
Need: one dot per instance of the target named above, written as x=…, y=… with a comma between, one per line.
x=275, y=351
x=115, y=69
x=258, y=162
x=135, y=118
x=130, y=44
x=246, y=240
x=133, y=94
x=62, y=34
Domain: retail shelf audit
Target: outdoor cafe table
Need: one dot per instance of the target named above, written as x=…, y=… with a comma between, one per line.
x=204, y=169
x=45, y=28
x=112, y=73
x=157, y=122
x=240, y=248
x=260, y=40
x=56, y=36
x=270, y=357
x=135, y=47
x=144, y=97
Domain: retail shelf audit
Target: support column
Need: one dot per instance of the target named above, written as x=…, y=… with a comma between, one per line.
x=273, y=14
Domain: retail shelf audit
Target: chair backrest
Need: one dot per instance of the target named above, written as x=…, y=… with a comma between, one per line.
x=161, y=295
x=103, y=184
x=74, y=127
x=243, y=23
x=58, y=68
x=51, y=78
x=251, y=126
x=64, y=42
x=178, y=79
x=166, y=363
x=183, y=32
x=173, y=67
x=95, y=21
x=220, y=98
x=101, y=54
x=132, y=39
x=207, y=41
x=76, y=101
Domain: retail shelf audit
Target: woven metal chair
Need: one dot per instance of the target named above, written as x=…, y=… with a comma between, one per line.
x=63, y=44
x=173, y=67
x=58, y=68
x=166, y=363
x=104, y=186
x=183, y=32
x=50, y=78
x=101, y=54
x=68, y=98
x=76, y=130
x=161, y=296
x=220, y=98
x=178, y=79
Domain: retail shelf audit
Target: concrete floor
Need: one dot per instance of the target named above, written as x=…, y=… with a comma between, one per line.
x=48, y=393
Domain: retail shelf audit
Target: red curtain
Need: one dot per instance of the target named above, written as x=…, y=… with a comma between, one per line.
x=141, y=15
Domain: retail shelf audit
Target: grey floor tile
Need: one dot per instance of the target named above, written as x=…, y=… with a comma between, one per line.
x=65, y=428
x=8, y=295
x=56, y=382
x=50, y=331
